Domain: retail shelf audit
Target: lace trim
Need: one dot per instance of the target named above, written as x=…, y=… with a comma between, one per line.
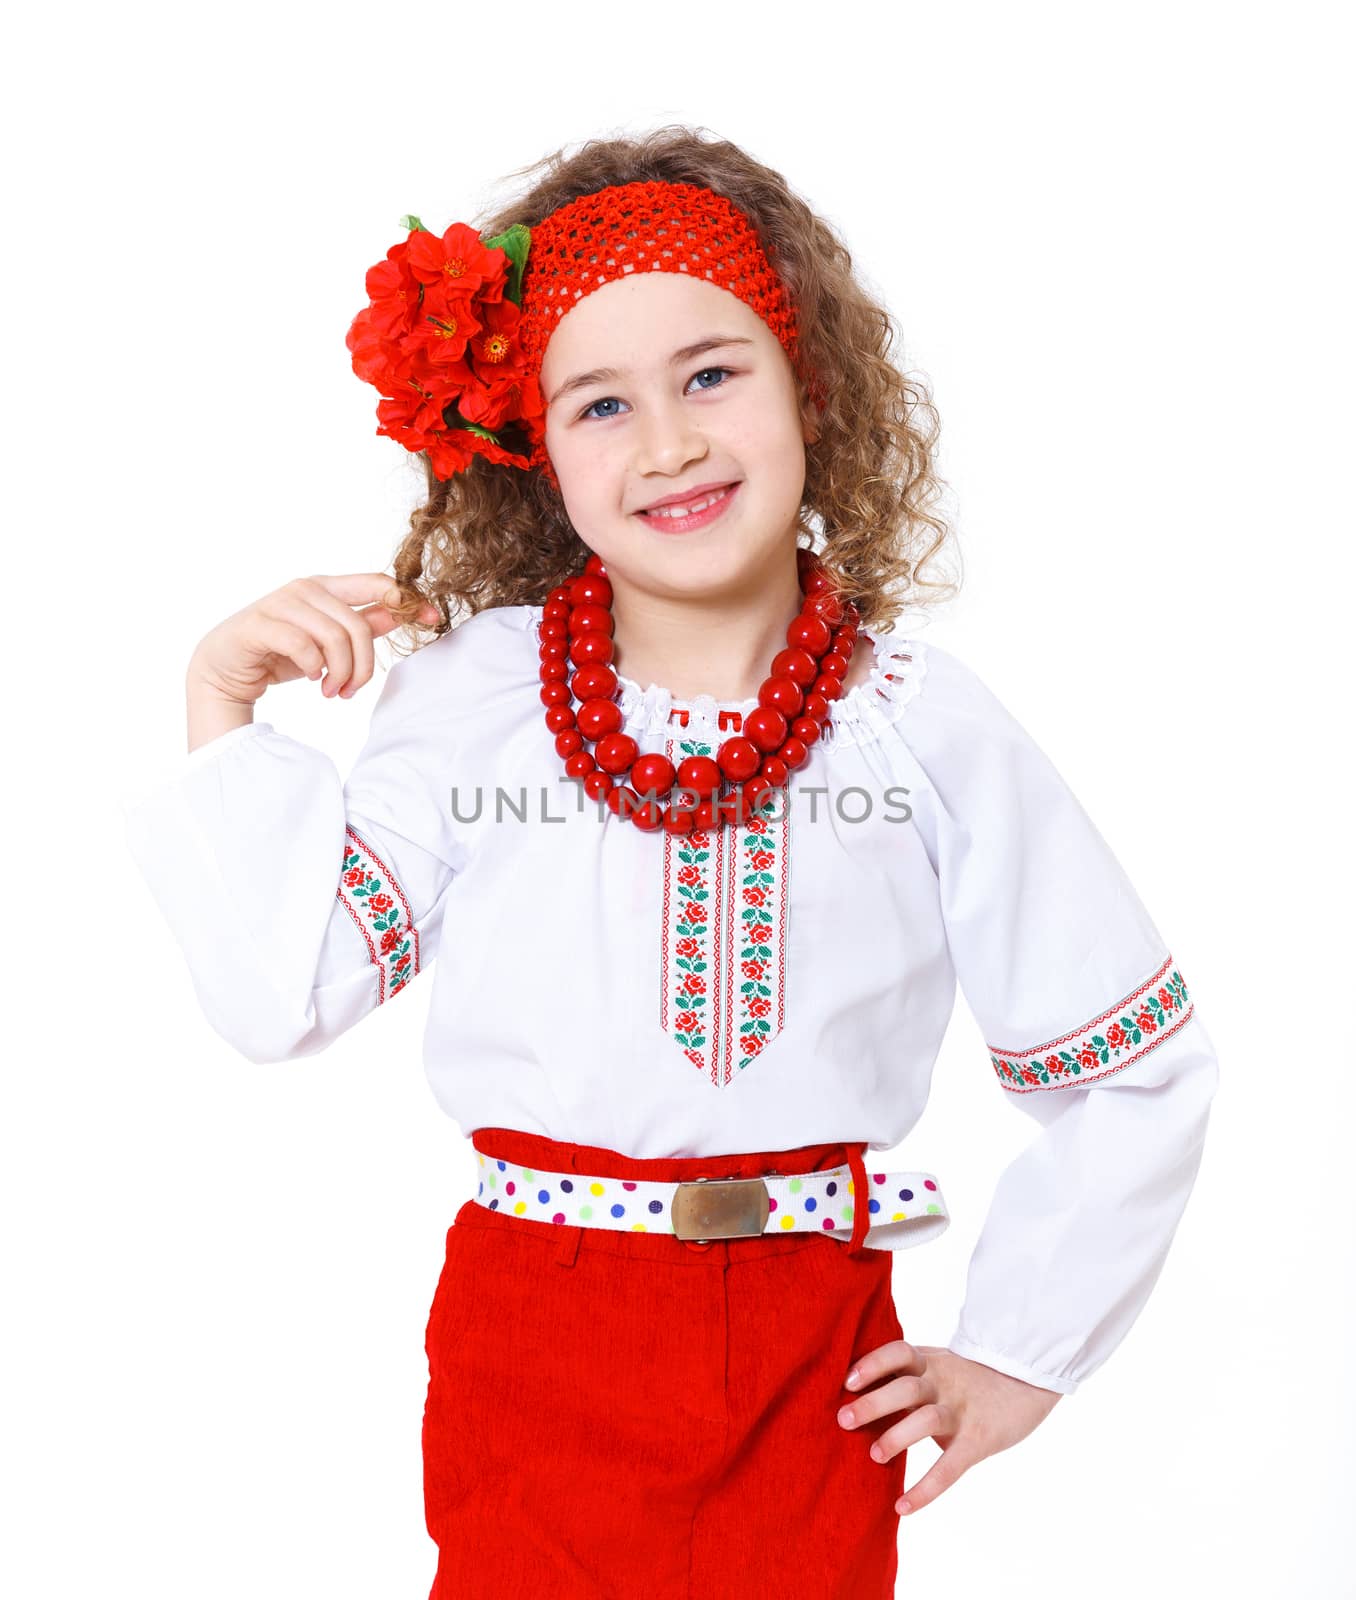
x=859, y=717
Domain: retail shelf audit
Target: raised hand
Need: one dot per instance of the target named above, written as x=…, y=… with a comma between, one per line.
x=307, y=627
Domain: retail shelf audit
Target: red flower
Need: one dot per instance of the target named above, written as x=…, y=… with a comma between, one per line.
x=693, y=983
x=414, y=418
x=689, y=875
x=759, y=1006
x=756, y=895
x=353, y=877
x=496, y=353
x=753, y=969
x=694, y=911
x=381, y=903
x=439, y=342
x=1146, y=1021
x=458, y=262
x=452, y=452
x=688, y=947
x=394, y=292
x=1116, y=1036
x=439, y=336
x=1087, y=1057
x=686, y=1021
x=759, y=932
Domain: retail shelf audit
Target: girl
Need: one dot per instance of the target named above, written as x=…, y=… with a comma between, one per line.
x=704, y=850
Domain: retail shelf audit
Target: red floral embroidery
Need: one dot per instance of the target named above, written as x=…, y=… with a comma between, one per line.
x=1130, y=1029
x=381, y=913
x=722, y=969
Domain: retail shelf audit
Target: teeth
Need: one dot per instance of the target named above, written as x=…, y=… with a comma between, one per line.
x=685, y=511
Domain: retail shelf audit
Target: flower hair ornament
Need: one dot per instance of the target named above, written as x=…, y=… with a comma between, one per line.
x=453, y=339
x=457, y=326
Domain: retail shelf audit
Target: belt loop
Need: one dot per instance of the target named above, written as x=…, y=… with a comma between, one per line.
x=861, y=1198
x=571, y=1234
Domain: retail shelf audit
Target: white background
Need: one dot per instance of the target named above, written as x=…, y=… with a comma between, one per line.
x=1114, y=240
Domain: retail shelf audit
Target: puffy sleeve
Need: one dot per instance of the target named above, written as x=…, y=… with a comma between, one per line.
x=1091, y=1030
x=301, y=903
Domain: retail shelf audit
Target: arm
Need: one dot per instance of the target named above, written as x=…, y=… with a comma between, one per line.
x=1091, y=1030
x=301, y=903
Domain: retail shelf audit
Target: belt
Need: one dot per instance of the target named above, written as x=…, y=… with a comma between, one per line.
x=904, y=1208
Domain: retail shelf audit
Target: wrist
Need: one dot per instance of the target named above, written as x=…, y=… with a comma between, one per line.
x=210, y=713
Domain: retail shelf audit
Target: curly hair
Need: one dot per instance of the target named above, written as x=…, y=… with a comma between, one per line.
x=495, y=535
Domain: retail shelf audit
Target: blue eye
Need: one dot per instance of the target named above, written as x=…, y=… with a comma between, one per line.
x=611, y=399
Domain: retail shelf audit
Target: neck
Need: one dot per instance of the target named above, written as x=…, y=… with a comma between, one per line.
x=719, y=644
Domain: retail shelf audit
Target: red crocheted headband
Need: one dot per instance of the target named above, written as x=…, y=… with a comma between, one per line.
x=456, y=329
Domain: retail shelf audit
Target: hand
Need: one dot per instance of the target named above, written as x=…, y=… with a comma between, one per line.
x=971, y=1410
x=306, y=626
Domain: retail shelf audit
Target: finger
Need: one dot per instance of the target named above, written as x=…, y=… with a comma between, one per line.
x=330, y=633
x=925, y=1422
x=327, y=593
x=373, y=589
x=281, y=637
x=360, y=635
x=358, y=588
x=898, y=1395
x=897, y=1356
x=952, y=1464
x=381, y=620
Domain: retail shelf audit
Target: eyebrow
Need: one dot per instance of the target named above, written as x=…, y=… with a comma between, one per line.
x=582, y=380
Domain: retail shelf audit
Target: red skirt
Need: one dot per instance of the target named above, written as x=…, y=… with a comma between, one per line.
x=624, y=1414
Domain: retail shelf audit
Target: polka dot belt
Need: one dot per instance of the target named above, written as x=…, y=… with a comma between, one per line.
x=906, y=1208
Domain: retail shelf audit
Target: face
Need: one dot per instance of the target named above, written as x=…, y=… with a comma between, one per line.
x=672, y=418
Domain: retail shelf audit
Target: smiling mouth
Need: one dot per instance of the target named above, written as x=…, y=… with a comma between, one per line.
x=690, y=507
x=695, y=513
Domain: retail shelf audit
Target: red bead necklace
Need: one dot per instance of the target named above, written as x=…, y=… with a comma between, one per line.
x=793, y=706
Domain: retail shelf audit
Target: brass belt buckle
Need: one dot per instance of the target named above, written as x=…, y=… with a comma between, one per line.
x=720, y=1208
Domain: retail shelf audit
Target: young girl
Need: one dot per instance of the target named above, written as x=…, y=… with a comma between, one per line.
x=703, y=850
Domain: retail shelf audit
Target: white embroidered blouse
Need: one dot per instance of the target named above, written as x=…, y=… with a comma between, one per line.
x=783, y=984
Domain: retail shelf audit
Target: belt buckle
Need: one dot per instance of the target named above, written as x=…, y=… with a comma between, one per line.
x=720, y=1208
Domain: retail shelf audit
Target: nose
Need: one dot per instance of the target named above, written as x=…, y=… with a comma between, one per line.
x=667, y=440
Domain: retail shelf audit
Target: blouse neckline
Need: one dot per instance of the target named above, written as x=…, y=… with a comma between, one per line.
x=858, y=717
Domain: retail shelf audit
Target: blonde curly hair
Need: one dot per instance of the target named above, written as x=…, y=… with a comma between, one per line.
x=495, y=535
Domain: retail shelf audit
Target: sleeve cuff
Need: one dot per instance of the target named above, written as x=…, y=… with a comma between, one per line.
x=204, y=753
x=1012, y=1368
x=172, y=770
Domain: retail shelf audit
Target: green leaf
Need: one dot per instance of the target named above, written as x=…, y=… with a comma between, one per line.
x=413, y=224
x=515, y=243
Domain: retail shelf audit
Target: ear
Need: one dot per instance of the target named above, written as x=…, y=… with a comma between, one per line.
x=809, y=419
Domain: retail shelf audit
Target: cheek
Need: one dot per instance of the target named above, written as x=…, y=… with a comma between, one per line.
x=576, y=465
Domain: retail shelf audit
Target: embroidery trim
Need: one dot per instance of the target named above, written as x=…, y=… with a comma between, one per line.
x=1124, y=1034
x=381, y=914
x=722, y=989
